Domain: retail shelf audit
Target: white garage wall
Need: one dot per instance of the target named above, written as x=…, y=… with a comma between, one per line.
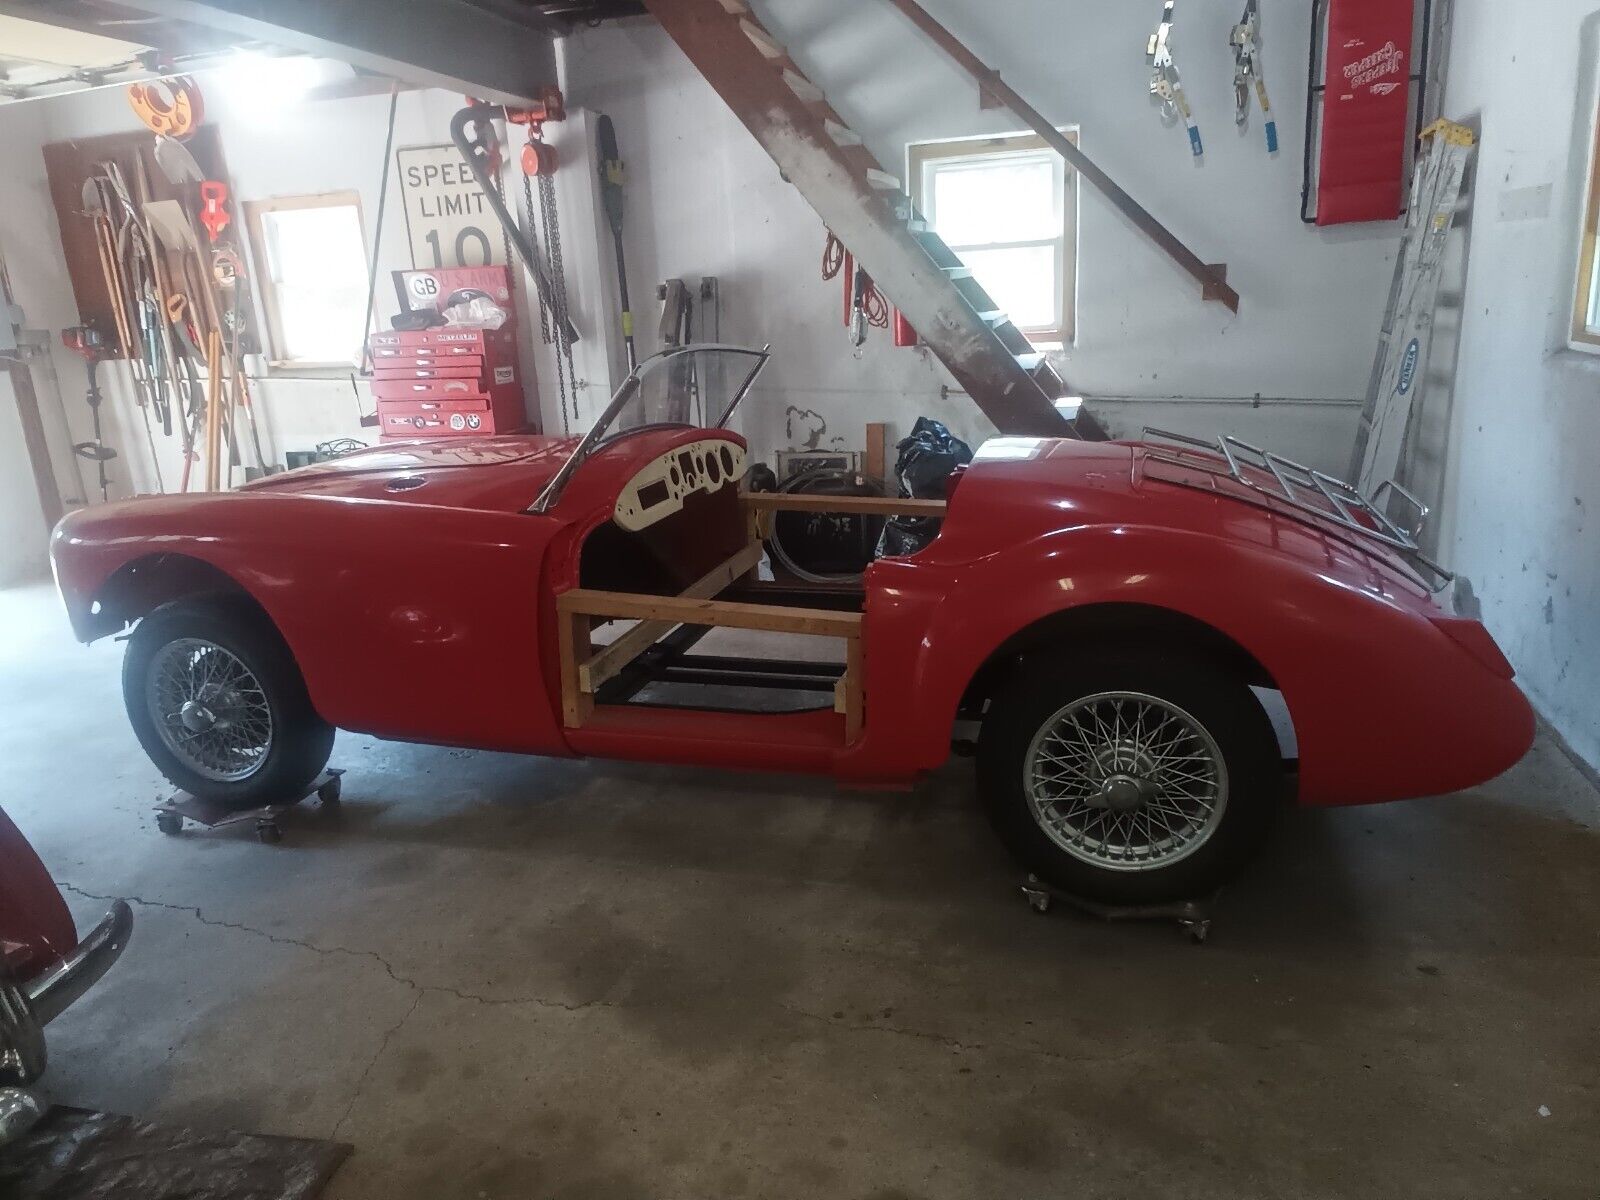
x=33, y=262
x=1523, y=498
x=272, y=148
x=704, y=199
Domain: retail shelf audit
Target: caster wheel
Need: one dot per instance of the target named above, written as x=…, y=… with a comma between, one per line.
x=269, y=833
x=169, y=823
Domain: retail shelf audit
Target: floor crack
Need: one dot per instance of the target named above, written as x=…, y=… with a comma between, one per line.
x=361, y=1083
x=331, y=951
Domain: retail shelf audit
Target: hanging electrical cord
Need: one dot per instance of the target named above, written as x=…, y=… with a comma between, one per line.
x=377, y=244
x=864, y=304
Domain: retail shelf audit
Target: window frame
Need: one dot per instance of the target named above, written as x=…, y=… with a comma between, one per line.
x=266, y=288
x=920, y=156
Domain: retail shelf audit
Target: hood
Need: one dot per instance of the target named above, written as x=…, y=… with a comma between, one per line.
x=498, y=473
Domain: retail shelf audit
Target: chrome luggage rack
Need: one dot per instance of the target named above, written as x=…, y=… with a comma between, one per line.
x=1303, y=487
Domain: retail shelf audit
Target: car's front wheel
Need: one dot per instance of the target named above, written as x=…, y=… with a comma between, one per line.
x=219, y=705
x=1129, y=778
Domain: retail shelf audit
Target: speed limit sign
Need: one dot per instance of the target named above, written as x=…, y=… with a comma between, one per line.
x=449, y=222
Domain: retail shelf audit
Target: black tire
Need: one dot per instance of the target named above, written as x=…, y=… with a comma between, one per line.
x=301, y=741
x=1217, y=701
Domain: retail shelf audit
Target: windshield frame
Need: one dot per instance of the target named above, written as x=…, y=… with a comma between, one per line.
x=600, y=432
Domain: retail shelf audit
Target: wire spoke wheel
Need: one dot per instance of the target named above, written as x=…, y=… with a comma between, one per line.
x=209, y=709
x=1125, y=781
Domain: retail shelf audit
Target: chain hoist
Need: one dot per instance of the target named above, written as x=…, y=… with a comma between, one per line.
x=1165, y=82
x=1246, y=42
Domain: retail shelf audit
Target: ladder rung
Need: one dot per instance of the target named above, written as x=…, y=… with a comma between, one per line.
x=842, y=135
x=734, y=6
x=1031, y=362
x=882, y=180
x=954, y=273
x=764, y=41
x=993, y=316
x=1068, y=406
x=803, y=87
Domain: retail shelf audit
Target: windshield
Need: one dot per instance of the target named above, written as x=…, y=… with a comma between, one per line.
x=696, y=386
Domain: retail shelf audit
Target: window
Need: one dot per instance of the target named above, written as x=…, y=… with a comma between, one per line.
x=1008, y=206
x=311, y=262
x=1586, y=302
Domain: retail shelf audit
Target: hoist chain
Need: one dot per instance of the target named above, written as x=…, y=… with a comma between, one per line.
x=554, y=317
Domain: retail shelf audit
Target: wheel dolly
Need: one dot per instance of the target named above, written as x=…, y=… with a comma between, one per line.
x=1193, y=915
x=171, y=814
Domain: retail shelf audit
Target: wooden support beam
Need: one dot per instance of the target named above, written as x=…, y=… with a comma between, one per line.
x=573, y=647
x=609, y=661
x=884, y=505
x=721, y=614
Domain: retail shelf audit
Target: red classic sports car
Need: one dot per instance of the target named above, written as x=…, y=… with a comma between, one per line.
x=43, y=969
x=1111, y=616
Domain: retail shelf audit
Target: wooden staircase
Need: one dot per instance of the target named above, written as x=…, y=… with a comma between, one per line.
x=867, y=208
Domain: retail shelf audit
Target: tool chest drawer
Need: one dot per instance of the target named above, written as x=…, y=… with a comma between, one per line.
x=428, y=368
x=428, y=389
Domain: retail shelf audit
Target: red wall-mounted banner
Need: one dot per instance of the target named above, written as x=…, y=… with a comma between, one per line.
x=1366, y=117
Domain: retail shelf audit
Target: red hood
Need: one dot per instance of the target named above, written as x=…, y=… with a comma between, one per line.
x=35, y=926
x=496, y=473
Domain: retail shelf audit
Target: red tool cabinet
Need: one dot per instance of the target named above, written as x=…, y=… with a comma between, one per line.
x=446, y=382
x=449, y=380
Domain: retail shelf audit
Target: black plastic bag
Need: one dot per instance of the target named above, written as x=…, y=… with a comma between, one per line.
x=923, y=466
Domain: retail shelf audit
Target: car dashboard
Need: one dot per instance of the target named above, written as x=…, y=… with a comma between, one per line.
x=662, y=486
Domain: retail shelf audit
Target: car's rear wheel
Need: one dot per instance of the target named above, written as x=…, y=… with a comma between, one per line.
x=219, y=705
x=1129, y=778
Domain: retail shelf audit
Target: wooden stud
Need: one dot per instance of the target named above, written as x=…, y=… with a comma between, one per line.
x=573, y=647
x=875, y=463
x=854, y=691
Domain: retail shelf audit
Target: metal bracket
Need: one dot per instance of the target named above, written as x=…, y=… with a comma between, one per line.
x=1193, y=915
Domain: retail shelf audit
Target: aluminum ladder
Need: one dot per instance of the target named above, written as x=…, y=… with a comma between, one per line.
x=1400, y=369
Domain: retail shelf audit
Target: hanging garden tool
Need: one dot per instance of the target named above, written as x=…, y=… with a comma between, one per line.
x=611, y=176
x=1165, y=83
x=86, y=342
x=1246, y=42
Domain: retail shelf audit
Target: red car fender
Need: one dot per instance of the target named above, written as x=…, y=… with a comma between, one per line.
x=1384, y=704
x=35, y=927
x=435, y=639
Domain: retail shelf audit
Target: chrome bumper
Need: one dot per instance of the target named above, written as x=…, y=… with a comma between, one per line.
x=26, y=1008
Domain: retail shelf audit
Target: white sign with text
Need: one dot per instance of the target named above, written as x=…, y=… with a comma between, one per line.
x=449, y=222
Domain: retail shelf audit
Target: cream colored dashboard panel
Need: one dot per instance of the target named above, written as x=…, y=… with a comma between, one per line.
x=659, y=489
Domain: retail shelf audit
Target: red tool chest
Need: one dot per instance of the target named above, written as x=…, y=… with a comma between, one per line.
x=449, y=380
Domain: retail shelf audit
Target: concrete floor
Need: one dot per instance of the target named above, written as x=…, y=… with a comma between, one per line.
x=505, y=977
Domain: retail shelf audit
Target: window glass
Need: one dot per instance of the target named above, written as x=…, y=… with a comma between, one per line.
x=316, y=276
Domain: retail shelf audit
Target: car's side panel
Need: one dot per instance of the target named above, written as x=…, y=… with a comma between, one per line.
x=1384, y=705
x=35, y=927
x=409, y=621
